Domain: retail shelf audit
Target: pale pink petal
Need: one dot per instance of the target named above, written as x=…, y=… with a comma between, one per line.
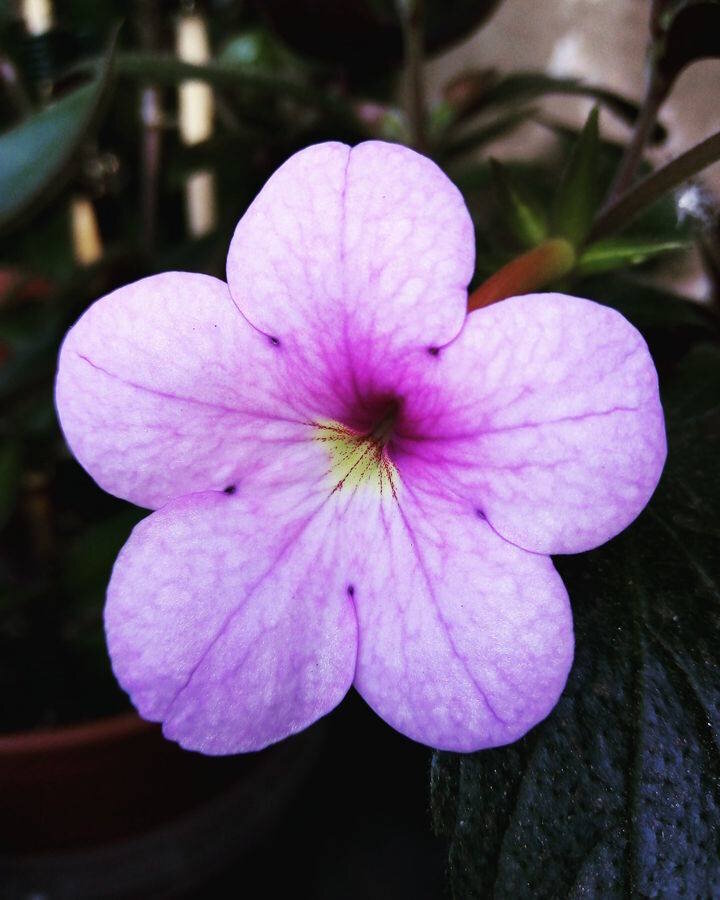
x=465, y=640
x=372, y=244
x=545, y=415
x=233, y=629
x=163, y=389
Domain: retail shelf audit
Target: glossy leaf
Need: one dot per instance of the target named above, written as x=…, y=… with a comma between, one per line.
x=578, y=195
x=38, y=155
x=617, y=793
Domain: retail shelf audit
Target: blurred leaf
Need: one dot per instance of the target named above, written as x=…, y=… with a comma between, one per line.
x=522, y=87
x=31, y=334
x=38, y=155
x=170, y=70
x=519, y=210
x=614, y=253
x=256, y=47
x=7, y=11
x=671, y=324
x=363, y=36
x=617, y=793
x=693, y=33
x=464, y=94
x=9, y=479
x=472, y=140
x=579, y=195
x=621, y=212
x=89, y=558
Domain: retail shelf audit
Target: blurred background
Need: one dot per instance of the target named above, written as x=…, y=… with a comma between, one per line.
x=133, y=135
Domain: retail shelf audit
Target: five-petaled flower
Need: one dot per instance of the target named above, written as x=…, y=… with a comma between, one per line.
x=355, y=482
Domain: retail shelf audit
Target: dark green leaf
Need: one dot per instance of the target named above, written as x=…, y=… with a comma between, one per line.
x=579, y=193
x=617, y=793
x=519, y=210
x=671, y=324
x=475, y=138
x=38, y=155
x=7, y=12
x=364, y=35
x=89, y=558
x=229, y=73
x=693, y=33
x=523, y=87
x=615, y=253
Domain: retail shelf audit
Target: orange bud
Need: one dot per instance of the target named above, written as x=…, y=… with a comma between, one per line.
x=526, y=273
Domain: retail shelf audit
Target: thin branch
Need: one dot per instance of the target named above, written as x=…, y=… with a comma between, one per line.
x=151, y=117
x=644, y=124
x=412, y=16
x=14, y=88
x=150, y=156
x=618, y=214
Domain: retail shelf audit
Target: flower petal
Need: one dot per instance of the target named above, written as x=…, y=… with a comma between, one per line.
x=373, y=243
x=544, y=414
x=163, y=389
x=465, y=640
x=234, y=631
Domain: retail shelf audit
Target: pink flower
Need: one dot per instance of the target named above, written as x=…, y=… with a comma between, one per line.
x=354, y=482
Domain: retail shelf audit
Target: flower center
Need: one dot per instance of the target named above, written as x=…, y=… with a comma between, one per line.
x=359, y=450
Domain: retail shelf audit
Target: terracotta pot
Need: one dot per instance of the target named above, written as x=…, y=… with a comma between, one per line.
x=112, y=809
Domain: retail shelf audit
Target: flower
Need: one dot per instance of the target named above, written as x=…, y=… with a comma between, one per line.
x=354, y=481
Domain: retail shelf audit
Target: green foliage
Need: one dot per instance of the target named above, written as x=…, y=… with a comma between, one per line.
x=524, y=87
x=617, y=253
x=617, y=793
x=473, y=139
x=519, y=209
x=578, y=195
x=38, y=156
x=61, y=533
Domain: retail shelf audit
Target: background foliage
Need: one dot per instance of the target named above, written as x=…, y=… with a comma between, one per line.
x=617, y=792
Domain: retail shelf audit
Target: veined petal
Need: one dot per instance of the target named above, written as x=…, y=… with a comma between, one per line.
x=465, y=640
x=545, y=414
x=233, y=629
x=371, y=244
x=163, y=389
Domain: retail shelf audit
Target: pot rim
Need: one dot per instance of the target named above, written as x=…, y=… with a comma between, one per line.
x=105, y=729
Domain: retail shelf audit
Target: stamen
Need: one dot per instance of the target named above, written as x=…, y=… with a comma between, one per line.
x=361, y=456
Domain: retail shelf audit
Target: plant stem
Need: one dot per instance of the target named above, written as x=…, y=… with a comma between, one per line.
x=654, y=97
x=412, y=15
x=14, y=88
x=151, y=151
x=618, y=214
x=151, y=115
